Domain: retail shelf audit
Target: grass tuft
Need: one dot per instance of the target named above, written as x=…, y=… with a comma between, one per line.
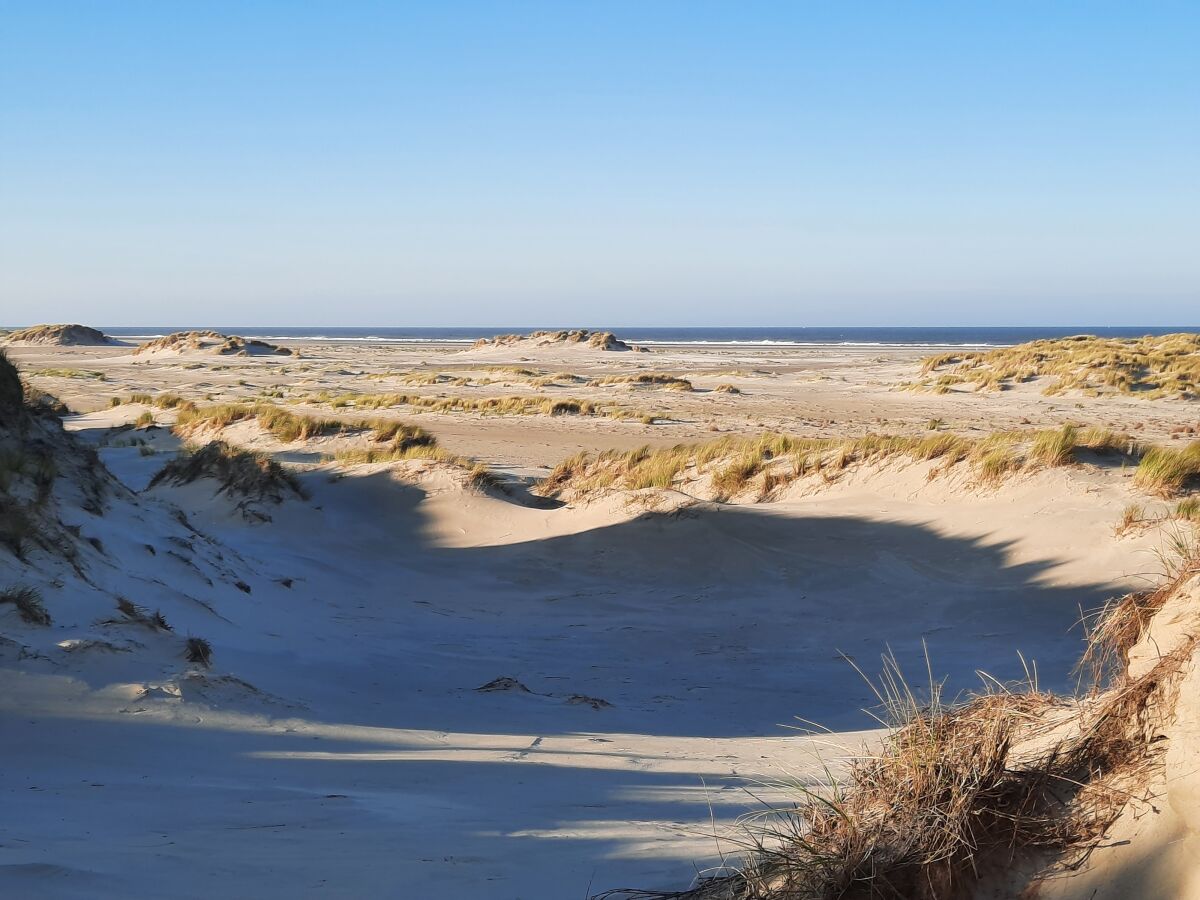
x=198, y=650
x=1166, y=472
x=1151, y=366
x=28, y=602
x=239, y=473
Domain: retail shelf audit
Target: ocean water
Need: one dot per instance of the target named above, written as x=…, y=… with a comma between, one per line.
x=784, y=336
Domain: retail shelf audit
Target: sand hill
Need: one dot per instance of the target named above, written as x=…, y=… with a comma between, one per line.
x=578, y=338
x=59, y=336
x=212, y=342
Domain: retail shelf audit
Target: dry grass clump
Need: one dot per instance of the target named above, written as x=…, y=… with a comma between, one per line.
x=161, y=401
x=246, y=473
x=481, y=477
x=734, y=464
x=399, y=453
x=136, y=615
x=198, y=650
x=647, y=379
x=1166, y=471
x=732, y=478
x=28, y=602
x=1055, y=448
x=284, y=425
x=1187, y=510
x=1135, y=515
x=400, y=434
x=71, y=373
x=955, y=790
x=239, y=473
x=1123, y=622
x=487, y=406
x=1165, y=366
x=960, y=790
x=726, y=389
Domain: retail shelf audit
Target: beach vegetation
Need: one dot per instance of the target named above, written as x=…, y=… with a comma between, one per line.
x=237, y=472
x=28, y=602
x=729, y=465
x=1167, y=471
x=198, y=650
x=1152, y=367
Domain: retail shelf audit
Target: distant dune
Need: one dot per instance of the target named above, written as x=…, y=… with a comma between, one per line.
x=580, y=337
x=211, y=342
x=1150, y=367
x=60, y=336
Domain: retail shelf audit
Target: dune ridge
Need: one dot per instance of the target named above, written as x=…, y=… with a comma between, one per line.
x=59, y=336
x=210, y=342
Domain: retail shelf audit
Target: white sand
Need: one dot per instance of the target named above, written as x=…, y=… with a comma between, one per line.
x=338, y=746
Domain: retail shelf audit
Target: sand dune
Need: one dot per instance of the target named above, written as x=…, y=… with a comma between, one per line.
x=59, y=336
x=668, y=648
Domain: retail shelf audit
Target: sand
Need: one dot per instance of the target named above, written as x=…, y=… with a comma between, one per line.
x=666, y=657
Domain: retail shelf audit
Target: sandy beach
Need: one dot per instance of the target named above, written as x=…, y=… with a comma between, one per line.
x=427, y=684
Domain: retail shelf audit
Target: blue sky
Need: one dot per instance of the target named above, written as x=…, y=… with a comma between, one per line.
x=643, y=163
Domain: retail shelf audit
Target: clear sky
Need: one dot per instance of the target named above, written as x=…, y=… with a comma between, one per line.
x=647, y=163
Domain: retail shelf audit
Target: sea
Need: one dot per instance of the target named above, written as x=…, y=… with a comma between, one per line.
x=784, y=336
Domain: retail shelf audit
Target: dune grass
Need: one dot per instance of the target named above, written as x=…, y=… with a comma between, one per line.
x=28, y=602
x=242, y=471
x=135, y=615
x=1166, y=471
x=1152, y=367
x=198, y=650
x=961, y=789
x=477, y=474
x=71, y=373
x=237, y=472
x=487, y=406
x=732, y=465
x=647, y=379
x=283, y=424
x=954, y=791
